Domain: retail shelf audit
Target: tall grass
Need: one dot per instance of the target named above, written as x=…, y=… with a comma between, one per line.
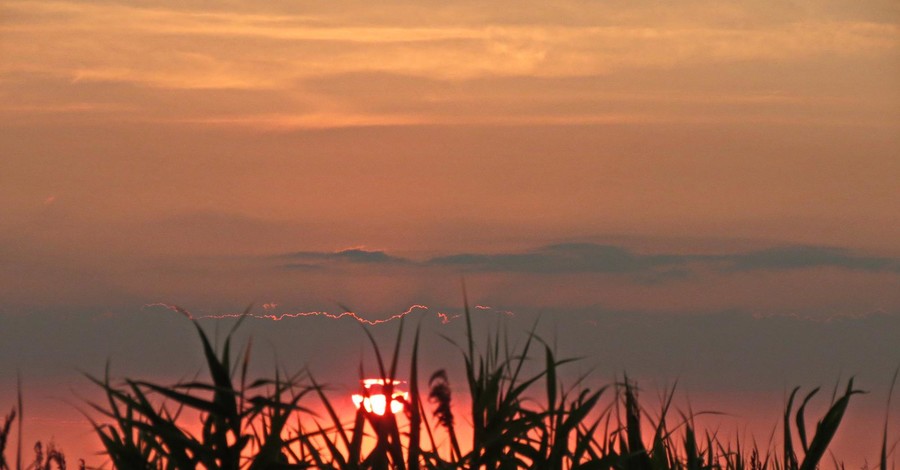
x=242, y=425
x=520, y=418
x=44, y=458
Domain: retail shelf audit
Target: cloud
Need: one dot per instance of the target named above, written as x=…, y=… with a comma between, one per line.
x=351, y=255
x=232, y=49
x=803, y=257
x=302, y=266
x=560, y=258
x=195, y=65
x=580, y=258
x=594, y=258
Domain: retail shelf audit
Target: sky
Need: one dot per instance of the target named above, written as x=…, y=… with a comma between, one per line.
x=696, y=190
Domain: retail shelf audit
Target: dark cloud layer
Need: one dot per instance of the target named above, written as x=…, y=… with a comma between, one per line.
x=353, y=255
x=799, y=257
x=608, y=259
x=745, y=350
x=566, y=257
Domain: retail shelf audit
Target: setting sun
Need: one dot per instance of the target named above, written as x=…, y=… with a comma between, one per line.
x=374, y=396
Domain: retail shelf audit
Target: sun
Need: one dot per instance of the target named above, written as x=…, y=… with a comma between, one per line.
x=374, y=397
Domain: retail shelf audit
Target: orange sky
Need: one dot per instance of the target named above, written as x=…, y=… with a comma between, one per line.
x=688, y=158
x=767, y=120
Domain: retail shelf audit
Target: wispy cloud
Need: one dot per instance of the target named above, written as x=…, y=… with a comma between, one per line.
x=244, y=47
x=313, y=43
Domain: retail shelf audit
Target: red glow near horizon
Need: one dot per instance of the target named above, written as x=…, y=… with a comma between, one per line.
x=445, y=317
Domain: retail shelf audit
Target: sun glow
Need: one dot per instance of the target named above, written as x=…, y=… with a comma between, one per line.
x=374, y=396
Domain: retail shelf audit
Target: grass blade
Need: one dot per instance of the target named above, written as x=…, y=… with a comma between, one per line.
x=826, y=429
x=887, y=413
x=801, y=423
x=790, y=458
x=415, y=418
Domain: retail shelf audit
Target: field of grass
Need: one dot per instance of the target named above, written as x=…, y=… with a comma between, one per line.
x=519, y=419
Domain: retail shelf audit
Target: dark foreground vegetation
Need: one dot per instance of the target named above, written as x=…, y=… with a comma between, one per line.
x=519, y=419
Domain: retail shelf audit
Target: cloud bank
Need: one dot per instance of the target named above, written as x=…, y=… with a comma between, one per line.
x=575, y=258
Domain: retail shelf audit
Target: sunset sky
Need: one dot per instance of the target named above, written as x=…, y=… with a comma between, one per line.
x=697, y=190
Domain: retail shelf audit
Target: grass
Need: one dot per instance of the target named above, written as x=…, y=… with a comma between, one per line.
x=519, y=419
x=44, y=458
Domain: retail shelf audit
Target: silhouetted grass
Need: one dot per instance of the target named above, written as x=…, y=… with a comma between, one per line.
x=44, y=459
x=519, y=419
